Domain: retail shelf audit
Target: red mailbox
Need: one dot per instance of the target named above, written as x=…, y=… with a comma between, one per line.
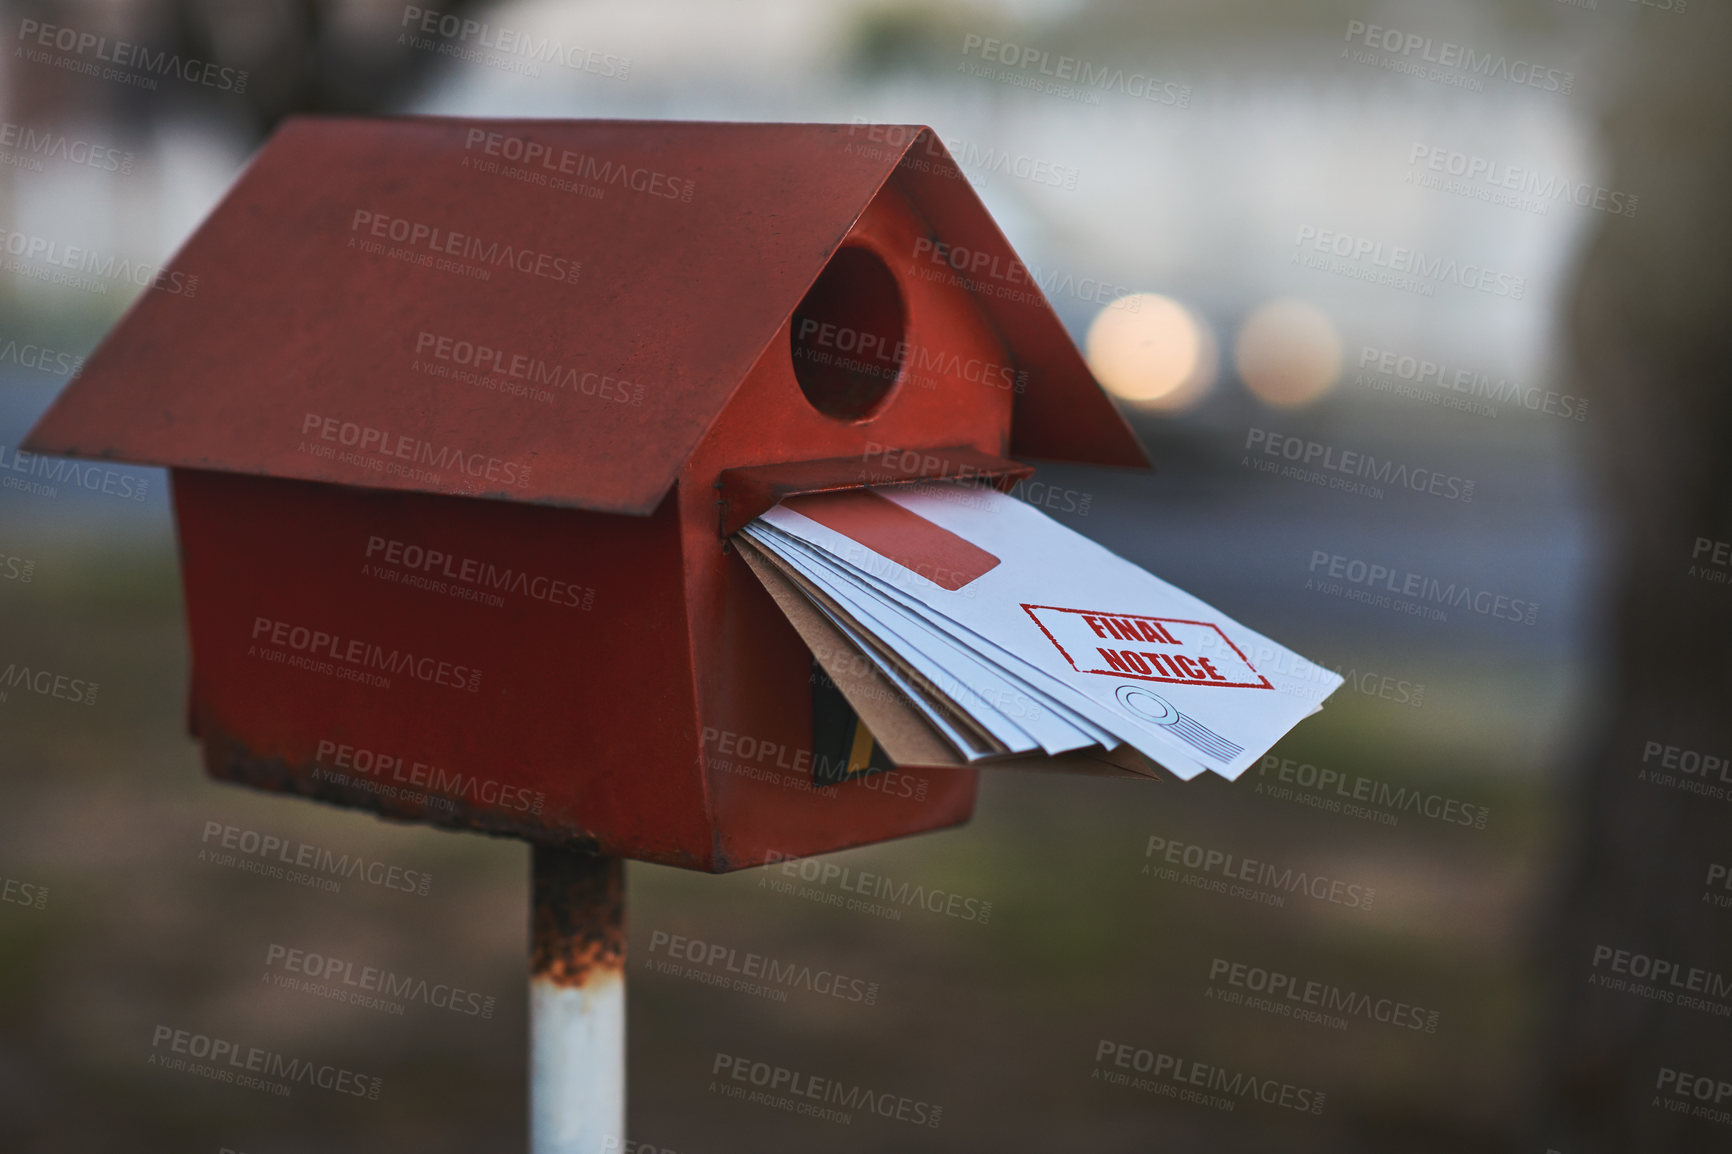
x=460, y=414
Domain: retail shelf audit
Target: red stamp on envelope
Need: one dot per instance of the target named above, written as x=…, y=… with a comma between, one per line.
x=1146, y=648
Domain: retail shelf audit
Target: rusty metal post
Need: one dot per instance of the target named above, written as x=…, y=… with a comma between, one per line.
x=576, y=1003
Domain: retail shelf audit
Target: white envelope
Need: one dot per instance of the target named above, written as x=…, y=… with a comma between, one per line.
x=1164, y=671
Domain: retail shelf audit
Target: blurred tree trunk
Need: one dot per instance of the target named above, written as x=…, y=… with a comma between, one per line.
x=332, y=57
x=1651, y=341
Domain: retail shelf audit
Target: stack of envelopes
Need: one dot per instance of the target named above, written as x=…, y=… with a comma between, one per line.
x=964, y=626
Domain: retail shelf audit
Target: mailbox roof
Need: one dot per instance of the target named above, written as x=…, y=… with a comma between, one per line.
x=320, y=323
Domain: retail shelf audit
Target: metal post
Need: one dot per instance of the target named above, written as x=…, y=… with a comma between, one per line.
x=577, y=1003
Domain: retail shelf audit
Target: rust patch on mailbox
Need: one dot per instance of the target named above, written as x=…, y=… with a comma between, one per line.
x=578, y=931
x=227, y=758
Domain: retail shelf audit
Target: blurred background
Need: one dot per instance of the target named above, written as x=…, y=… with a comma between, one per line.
x=1482, y=240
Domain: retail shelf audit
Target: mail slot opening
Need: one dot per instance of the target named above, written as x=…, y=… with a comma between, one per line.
x=847, y=336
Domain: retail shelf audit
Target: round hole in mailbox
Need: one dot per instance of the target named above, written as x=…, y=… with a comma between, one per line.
x=846, y=339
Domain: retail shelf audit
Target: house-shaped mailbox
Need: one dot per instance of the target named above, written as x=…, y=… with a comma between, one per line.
x=461, y=413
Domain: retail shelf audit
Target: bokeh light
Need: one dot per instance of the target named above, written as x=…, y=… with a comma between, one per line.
x=1288, y=353
x=1151, y=351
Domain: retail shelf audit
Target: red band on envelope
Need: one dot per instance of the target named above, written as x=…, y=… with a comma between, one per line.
x=886, y=528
